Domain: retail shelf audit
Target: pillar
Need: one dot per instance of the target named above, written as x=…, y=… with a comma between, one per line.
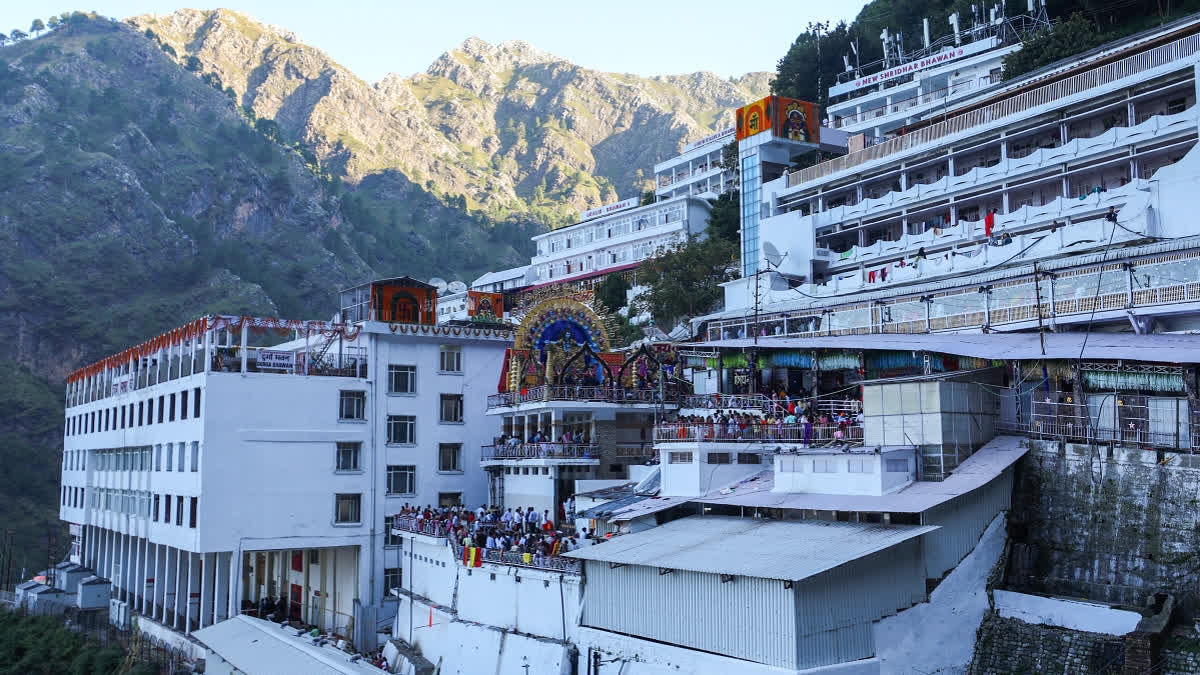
x=160, y=582
x=235, y=581
x=147, y=575
x=245, y=334
x=221, y=571
x=180, y=577
x=205, y=590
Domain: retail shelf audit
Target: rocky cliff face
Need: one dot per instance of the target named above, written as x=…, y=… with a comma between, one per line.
x=510, y=128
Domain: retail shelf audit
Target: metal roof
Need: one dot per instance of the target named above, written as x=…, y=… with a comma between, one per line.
x=976, y=471
x=502, y=275
x=771, y=549
x=256, y=646
x=1171, y=348
x=407, y=280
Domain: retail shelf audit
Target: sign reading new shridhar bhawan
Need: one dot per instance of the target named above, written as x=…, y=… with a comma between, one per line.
x=786, y=118
x=608, y=208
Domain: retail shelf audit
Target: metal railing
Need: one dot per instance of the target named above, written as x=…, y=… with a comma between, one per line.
x=541, y=451
x=555, y=563
x=426, y=526
x=756, y=433
x=1014, y=105
x=1104, y=419
x=599, y=394
x=907, y=104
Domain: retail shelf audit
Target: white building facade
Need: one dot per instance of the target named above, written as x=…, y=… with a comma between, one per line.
x=697, y=171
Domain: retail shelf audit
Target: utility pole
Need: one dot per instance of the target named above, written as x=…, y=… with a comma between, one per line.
x=1037, y=288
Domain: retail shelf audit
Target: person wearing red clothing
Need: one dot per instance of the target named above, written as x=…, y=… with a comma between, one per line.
x=989, y=222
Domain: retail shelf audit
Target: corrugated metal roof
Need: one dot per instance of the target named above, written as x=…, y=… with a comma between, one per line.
x=1171, y=348
x=976, y=471
x=257, y=646
x=502, y=275
x=771, y=549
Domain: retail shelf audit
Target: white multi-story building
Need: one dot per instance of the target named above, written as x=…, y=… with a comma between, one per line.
x=941, y=228
x=697, y=170
x=206, y=469
x=616, y=237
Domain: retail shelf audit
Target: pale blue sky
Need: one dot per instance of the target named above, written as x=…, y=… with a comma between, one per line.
x=373, y=38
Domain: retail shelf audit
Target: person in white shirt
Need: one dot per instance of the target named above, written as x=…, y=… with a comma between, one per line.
x=479, y=512
x=491, y=541
x=532, y=520
x=507, y=518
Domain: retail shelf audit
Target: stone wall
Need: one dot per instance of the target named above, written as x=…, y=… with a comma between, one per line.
x=1181, y=656
x=1012, y=646
x=1107, y=524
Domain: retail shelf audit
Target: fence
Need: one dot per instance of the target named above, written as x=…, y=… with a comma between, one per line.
x=1106, y=418
x=426, y=526
x=554, y=563
x=542, y=451
x=1020, y=103
x=757, y=433
x=600, y=394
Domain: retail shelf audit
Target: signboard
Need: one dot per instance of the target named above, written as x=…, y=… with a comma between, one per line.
x=723, y=134
x=754, y=118
x=121, y=384
x=276, y=360
x=485, y=304
x=609, y=208
x=942, y=57
x=786, y=118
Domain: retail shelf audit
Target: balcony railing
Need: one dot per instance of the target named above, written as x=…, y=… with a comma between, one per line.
x=426, y=526
x=600, y=394
x=541, y=451
x=909, y=103
x=756, y=433
x=1107, y=420
x=1018, y=104
x=555, y=563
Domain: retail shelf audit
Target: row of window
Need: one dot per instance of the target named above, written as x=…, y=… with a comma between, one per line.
x=402, y=379
x=348, y=457
x=137, y=503
x=852, y=465
x=160, y=457
x=545, y=470
x=142, y=413
x=352, y=405
x=715, y=458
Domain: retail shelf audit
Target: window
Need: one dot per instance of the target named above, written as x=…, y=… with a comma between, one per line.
x=122, y=417
x=196, y=402
x=402, y=429
x=171, y=409
x=749, y=458
x=157, y=457
x=179, y=510
x=402, y=379
x=389, y=539
x=167, y=509
x=450, y=457
x=392, y=577
x=401, y=479
x=170, y=455
x=183, y=404
x=314, y=556
x=160, y=409
x=347, y=456
x=679, y=458
x=449, y=499
x=347, y=508
x=718, y=458
x=451, y=359
x=352, y=405
x=182, y=452
x=824, y=466
x=141, y=412
x=861, y=466
x=192, y=512
x=195, y=456
x=150, y=412
x=452, y=408
x=896, y=465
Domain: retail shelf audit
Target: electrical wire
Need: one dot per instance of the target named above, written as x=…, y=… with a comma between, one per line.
x=1095, y=298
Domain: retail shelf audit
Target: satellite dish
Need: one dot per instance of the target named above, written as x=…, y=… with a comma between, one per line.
x=772, y=254
x=439, y=283
x=457, y=287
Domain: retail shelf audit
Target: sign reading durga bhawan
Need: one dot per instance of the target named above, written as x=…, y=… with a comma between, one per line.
x=608, y=208
x=276, y=360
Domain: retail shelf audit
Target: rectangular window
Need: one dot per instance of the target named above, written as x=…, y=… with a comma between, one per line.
x=192, y=512
x=749, y=458
x=179, y=510
x=150, y=411
x=352, y=405
x=452, y=408
x=347, y=508
x=390, y=540
x=106, y=412
x=824, y=466
x=451, y=359
x=450, y=457
x=347, y=456
x=679, y=458
x=167, y=509
x=158, y=457
x=196, y=402
x=161, y=406
x=718, y=458
x=896, y=465
x=402, y=379
x=171, y=409
x=392, y=577
x=183, y=404
x=170, y=455
x=182, y=459
x=141, y=413
x=861, y=466
x=401, y=429
x=122, y=417
x=195, y=456
x=401, y=479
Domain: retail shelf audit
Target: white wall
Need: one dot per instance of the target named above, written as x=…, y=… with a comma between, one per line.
x=1064, y=612
x=535, y=489
x=794, y=473
x=699, y=477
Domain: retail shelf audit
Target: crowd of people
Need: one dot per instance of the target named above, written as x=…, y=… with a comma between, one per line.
x=785, y=418
x=520, y=530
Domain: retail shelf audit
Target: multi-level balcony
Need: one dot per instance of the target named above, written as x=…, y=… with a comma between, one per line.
x=587, y=395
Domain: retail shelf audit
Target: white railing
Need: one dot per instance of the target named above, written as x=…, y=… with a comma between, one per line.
x=1096, y=77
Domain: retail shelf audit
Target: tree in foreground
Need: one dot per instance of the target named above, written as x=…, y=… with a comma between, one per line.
x=685, y=281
